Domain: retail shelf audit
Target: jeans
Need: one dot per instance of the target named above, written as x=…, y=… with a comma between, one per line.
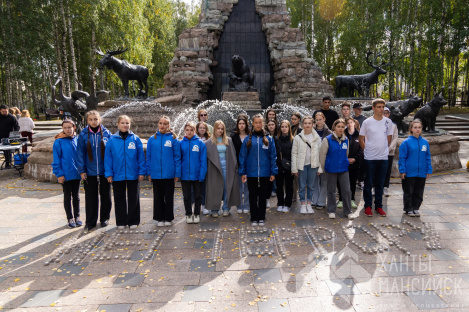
x=375, y=175
x=306, y=181
x=320, y=190
x=189, y=187
x=274, y=186
x=243, y=188
x=223, y=169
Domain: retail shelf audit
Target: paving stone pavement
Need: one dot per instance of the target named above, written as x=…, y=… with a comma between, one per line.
x=295, y=263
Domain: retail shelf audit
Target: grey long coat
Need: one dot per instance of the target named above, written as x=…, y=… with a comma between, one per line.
x=214, y=181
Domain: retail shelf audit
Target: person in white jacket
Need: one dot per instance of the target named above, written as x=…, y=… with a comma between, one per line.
x=305, y=163
x=392, y=148
x=26, y=127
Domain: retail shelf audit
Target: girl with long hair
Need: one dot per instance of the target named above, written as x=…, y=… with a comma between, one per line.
x=91, y=149
x=124, y=167
x=258, y=166
x=238, y=137
x=202, y=115
x=284, y=144
x=203, y=134
x=65, y=169
x=163, y=170
x=222, y=172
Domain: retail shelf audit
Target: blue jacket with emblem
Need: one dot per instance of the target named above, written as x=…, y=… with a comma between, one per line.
x=95, y=166
x=163, y=156
x=415, y=158
x=337, y=153
x=65, y=158
x=124, y=159
x=259, y=160
x=194, y=159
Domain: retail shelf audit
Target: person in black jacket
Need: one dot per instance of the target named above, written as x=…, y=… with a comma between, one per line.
x=8, y=123
x=240, y=134
x=283, y=145
x=355, y=156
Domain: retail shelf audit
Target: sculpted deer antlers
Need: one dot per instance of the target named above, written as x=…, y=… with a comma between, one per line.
x=111, y=52
x=372, y=64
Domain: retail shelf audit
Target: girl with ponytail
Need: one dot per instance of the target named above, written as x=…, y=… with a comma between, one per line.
x=258, y=166
x=91, y=148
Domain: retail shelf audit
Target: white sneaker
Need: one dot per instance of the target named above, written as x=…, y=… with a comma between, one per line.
x=205, y=211
x=332, y=215
x=121, y=227
x=309, y=209
x=189, y=219
x=373, y=192
x=303, y=209
x=168, y=223
x=133, y=227
x=253, y=223
x=386, y=191
x=273, y=194
x=261, y=223
x=280, y=208
x=196, y=219
x=239, y=211
x=351, y=216
x=226, y=213
x=361, y=185
x=267, y=204
x=245, y=210
x=161, y=223
x=285, y=209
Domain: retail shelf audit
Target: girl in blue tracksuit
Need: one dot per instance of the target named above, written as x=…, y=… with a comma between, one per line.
x=194, y=169
x=258, y=166
x=415, y=166
x=91, y=146
x=65, y=168
x=163, y=170
x=124, y=167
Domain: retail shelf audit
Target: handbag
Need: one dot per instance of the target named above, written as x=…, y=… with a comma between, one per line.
x=286, y=164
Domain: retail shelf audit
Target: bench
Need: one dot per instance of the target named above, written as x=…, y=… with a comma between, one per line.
x=52, y=113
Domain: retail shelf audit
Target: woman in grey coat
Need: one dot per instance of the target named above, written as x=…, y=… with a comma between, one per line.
x=222, y=172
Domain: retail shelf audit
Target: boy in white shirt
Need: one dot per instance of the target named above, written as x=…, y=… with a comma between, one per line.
x=377, y=131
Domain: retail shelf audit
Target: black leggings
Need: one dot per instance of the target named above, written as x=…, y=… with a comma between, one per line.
x=187, y=187
x=71, y=195
x=413, y=192
x=258, y=187
x=284, y=178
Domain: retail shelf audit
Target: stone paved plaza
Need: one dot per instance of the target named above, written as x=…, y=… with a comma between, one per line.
x=295, y=263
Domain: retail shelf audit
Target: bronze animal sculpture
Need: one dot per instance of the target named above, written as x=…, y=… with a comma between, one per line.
x=125, y=71
x=241, y=76
x=428, y=113
x=71, y=105
x=361, y=83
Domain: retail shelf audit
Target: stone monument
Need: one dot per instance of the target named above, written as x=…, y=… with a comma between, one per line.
x=200, y=67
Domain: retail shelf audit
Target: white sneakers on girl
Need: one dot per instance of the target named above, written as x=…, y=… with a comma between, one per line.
x=189, y=219
x=239, y=211
x=226, y=213
x=253, y=223
x=245, y=210
x=303, y=209
x=121, y=227
x=267, y=204
x=261, y=223
x=160, y=223
x=332, y=215
x=168, y=223
x=280, y=208
x=133, y=227
x=285, y=209
x=309, y=209
x=205, y=211
x=196, y=219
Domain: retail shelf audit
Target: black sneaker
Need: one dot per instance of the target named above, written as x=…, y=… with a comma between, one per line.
x=105, y=223
x=410, y=213
x=87, y=229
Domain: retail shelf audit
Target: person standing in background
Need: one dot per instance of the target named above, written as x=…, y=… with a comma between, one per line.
x=26, y=127
x=238, y=137
x=392, y=148
x=8, y=123
x=329, y=114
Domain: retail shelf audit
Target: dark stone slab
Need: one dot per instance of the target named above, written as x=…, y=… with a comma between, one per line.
x=267, y=276
x=201, y=265
x=426, y=299
x=21, y=258
x=431, y=212
x=445, y=254
x=196, y=293
x=464, y=276
x=209, y=225
x=415, y=235
x=138, y=255
x=115, y=307
x=454, y=226
x=129, y=279
x=201, y=243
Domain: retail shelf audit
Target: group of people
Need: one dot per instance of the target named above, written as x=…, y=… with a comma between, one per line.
x=12, y=119
x=312, y=155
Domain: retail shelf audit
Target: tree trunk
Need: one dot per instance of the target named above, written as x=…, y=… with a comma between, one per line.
x=66, y=77
x=93, y=57
x=455, y=79
x=391, y=54
x=72, y=50
x=57, y=48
